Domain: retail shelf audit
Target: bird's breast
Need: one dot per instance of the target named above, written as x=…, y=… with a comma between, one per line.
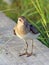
x=20, y=32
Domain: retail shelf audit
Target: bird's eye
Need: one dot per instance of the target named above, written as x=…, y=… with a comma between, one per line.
x=19, y=19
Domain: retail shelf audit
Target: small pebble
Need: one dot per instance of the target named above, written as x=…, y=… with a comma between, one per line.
x=6, y=53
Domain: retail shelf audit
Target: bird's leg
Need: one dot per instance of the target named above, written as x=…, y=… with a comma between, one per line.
x=33, y=49
x=32, y=46
x=26, y=47
x=25, y=50
x=30, y=49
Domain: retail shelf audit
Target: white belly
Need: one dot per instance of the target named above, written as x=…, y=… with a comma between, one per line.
x=28, y=36
x=21, y=37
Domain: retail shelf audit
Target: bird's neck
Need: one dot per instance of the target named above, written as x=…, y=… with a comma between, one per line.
x=22, y=27
x=21, y=30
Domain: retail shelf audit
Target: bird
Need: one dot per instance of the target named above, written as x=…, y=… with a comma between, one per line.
x=26, y=31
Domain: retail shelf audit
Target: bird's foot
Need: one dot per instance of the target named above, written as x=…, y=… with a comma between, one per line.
x=29, y=54
x=22, y=54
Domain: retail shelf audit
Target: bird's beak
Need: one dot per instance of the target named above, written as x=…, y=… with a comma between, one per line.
x=14, y=32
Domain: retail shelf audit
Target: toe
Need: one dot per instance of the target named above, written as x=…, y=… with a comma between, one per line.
x=22, y=54
x=29, y=54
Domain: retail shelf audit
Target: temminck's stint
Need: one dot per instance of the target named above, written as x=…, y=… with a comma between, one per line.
x=24, y=30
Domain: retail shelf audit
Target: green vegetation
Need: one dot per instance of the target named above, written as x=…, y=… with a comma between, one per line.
x=36, y=11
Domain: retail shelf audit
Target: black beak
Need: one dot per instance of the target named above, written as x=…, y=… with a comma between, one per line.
x=14, y=32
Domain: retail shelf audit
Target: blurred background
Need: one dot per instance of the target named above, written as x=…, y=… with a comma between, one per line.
x=36, y=11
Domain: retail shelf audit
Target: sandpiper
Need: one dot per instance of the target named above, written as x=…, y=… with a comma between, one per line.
x=24, y=30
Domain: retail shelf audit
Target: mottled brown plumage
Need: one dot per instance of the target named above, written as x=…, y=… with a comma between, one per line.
x=23, y=30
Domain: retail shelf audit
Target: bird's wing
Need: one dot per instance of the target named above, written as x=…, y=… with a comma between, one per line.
x=33, y=29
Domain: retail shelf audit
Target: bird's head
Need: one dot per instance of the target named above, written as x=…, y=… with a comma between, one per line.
x=22, y=20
